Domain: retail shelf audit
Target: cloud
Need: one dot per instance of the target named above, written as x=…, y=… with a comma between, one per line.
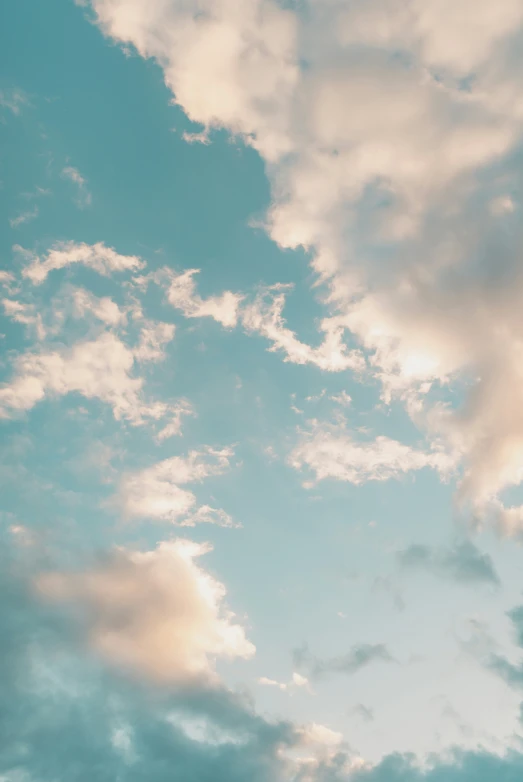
x=98, y=257
x=357, y=658
x=24, y=217
x=417, y=263
x=72, y=718
x=330, y=451
x=97, y=369
x=153, y=338
x=156, y=613
x=83, y=197
x=157, y=492
x=462, y=563
x=25, y=314
x=364, y=712
x=511, y=672
x=13, y=99
x=297, y=681
x=103, y=308
x=264, y=316
x=182, y=294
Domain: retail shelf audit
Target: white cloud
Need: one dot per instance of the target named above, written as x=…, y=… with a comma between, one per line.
x=342, y=399
x=182, y=294
x=332, y=452
x=153, y=338
x=98, y=257
x=155, y=613
x=175, y=413
x=97, y=369
x=264, y=316
x=103, y=308
x=157, y=492
x=297, y=681
x=83, y=197
x=387, y=130
x=24, y=314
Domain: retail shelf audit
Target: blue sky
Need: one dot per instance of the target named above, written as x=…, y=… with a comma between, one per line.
x=260, y=412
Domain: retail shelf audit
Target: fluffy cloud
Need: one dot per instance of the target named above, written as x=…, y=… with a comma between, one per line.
x=182, y=294
x=98, y=257
x=330, y=451
x=462, y=563
x=394, y=200
x=156, y=612
x=71, y=718
x=97, y=369
x=103, y=308
x=157, y=492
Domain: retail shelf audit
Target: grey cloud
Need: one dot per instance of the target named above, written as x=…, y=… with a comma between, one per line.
x=62, y=716
x=462, y=563
x=357, y=658
x=510, y=672
x=364, y=712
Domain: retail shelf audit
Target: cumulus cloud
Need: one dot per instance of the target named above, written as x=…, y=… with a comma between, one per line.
x=98, y=257
x=101, y=725
x=408, y=205
x=357, y=658
x=462, y=563
x=156, y=613
x=158, y=492
x=99, y=369
x=330, y=451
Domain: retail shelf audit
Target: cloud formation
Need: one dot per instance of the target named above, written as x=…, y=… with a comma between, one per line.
x=103, y=260
x=330, y=451
x=97, y=725
x=403, y=239
x=264, y=316
x=357, y=658
x=83, y=197
x=156, y=612
x=158, y=492
x=97, y=369
x=462, y=563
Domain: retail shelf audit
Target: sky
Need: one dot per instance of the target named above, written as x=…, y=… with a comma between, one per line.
x=261, y=393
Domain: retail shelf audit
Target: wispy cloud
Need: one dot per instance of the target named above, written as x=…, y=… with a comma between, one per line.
x=462, y=563
x=24, y=217
x=83, y=196
x=350, y=663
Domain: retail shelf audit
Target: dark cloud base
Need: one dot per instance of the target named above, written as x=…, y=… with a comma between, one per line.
x=64, y=717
